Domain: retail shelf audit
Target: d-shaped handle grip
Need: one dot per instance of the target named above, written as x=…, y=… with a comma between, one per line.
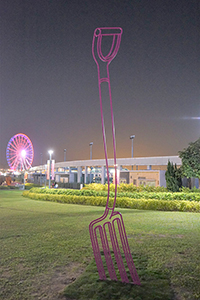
x=99, y=33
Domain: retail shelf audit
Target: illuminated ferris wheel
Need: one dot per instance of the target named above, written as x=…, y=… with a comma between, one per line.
x=19, y=152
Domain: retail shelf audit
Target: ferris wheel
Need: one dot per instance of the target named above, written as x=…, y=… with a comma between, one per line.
x=19, y=152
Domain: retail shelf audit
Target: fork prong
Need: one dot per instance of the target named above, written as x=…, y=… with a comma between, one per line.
x=126, y=249
x=95, y=246
x=117, y=253
x=97, y=254
x=99, y=234
x=107, y=254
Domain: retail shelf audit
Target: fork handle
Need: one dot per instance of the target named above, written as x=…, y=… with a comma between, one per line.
x=108, y=206
x=116, y=33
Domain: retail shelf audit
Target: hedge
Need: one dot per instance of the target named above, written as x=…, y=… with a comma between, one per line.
x=123, y=202
x=135, y=195
x=8, y=187
x=125, y=187
x=28, y=186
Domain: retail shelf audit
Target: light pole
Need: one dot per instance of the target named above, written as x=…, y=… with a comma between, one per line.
x=65, y=150
x=90, y=144
x=132, y=138
x=23, y=155
x=41, y=169
x=50, y=152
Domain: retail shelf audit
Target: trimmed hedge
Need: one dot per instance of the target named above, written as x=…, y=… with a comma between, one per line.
x=125, y=187
x=136, y=195
x=123, y=202
x=28, y=186
x=8, y=187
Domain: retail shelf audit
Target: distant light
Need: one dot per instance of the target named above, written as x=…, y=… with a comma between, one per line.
x=191, y=118
x=16, y=172
x=50, y=152
x=23, y=153
x=132, y=137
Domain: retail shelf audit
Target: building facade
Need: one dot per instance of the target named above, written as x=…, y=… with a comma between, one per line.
x=138, y=170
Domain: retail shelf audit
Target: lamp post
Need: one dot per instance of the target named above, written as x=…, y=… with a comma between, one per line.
x=41, y=169
x=132, y=138
x=50, y=152
x=90, y=144
x=65, y=150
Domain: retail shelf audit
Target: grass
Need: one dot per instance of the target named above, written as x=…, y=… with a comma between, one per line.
x=45, y=247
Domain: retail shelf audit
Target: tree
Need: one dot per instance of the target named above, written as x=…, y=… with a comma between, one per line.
x=173, y=177
x=190, y=157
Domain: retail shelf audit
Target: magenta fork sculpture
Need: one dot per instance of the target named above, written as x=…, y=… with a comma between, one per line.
x=110, y=226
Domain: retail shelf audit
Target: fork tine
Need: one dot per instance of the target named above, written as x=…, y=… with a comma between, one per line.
x=117, y=253
x=126, y=250
x=97, y=255
x=116, y=249
x=95, y=246
x=106, y=249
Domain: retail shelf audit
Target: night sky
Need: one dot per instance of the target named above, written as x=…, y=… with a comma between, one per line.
x=48, y=83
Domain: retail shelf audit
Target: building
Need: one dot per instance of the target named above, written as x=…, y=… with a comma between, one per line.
x=137, y=170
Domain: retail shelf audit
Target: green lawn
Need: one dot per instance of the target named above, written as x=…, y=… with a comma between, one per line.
x=45, y=247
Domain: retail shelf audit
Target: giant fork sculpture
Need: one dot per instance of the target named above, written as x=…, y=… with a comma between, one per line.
x=111, y=221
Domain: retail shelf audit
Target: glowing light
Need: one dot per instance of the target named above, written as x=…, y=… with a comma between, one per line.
x=23, y=153
x=191, y=118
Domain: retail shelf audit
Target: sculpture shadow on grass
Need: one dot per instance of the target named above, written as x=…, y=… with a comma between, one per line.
x=155, y=284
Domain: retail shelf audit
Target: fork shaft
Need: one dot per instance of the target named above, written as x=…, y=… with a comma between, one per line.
x=100, y=81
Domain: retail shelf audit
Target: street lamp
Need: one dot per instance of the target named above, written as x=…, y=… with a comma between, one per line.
x=65, y=150
x=132, y=138
x=90, y=144
x=23, y=155
x=41, y=169
x=50, y=152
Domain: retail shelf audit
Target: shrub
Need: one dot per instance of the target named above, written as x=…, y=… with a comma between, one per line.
x=173, y=177
x=124, y=187
x=28, y=186
x=123, y=202
x=135, y=195
x=9, y=187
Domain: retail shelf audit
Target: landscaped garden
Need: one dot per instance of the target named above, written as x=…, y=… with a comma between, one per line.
x=46, y=251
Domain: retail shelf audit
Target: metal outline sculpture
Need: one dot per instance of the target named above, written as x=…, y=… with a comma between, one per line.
x=114, y=219
x=18, y=143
